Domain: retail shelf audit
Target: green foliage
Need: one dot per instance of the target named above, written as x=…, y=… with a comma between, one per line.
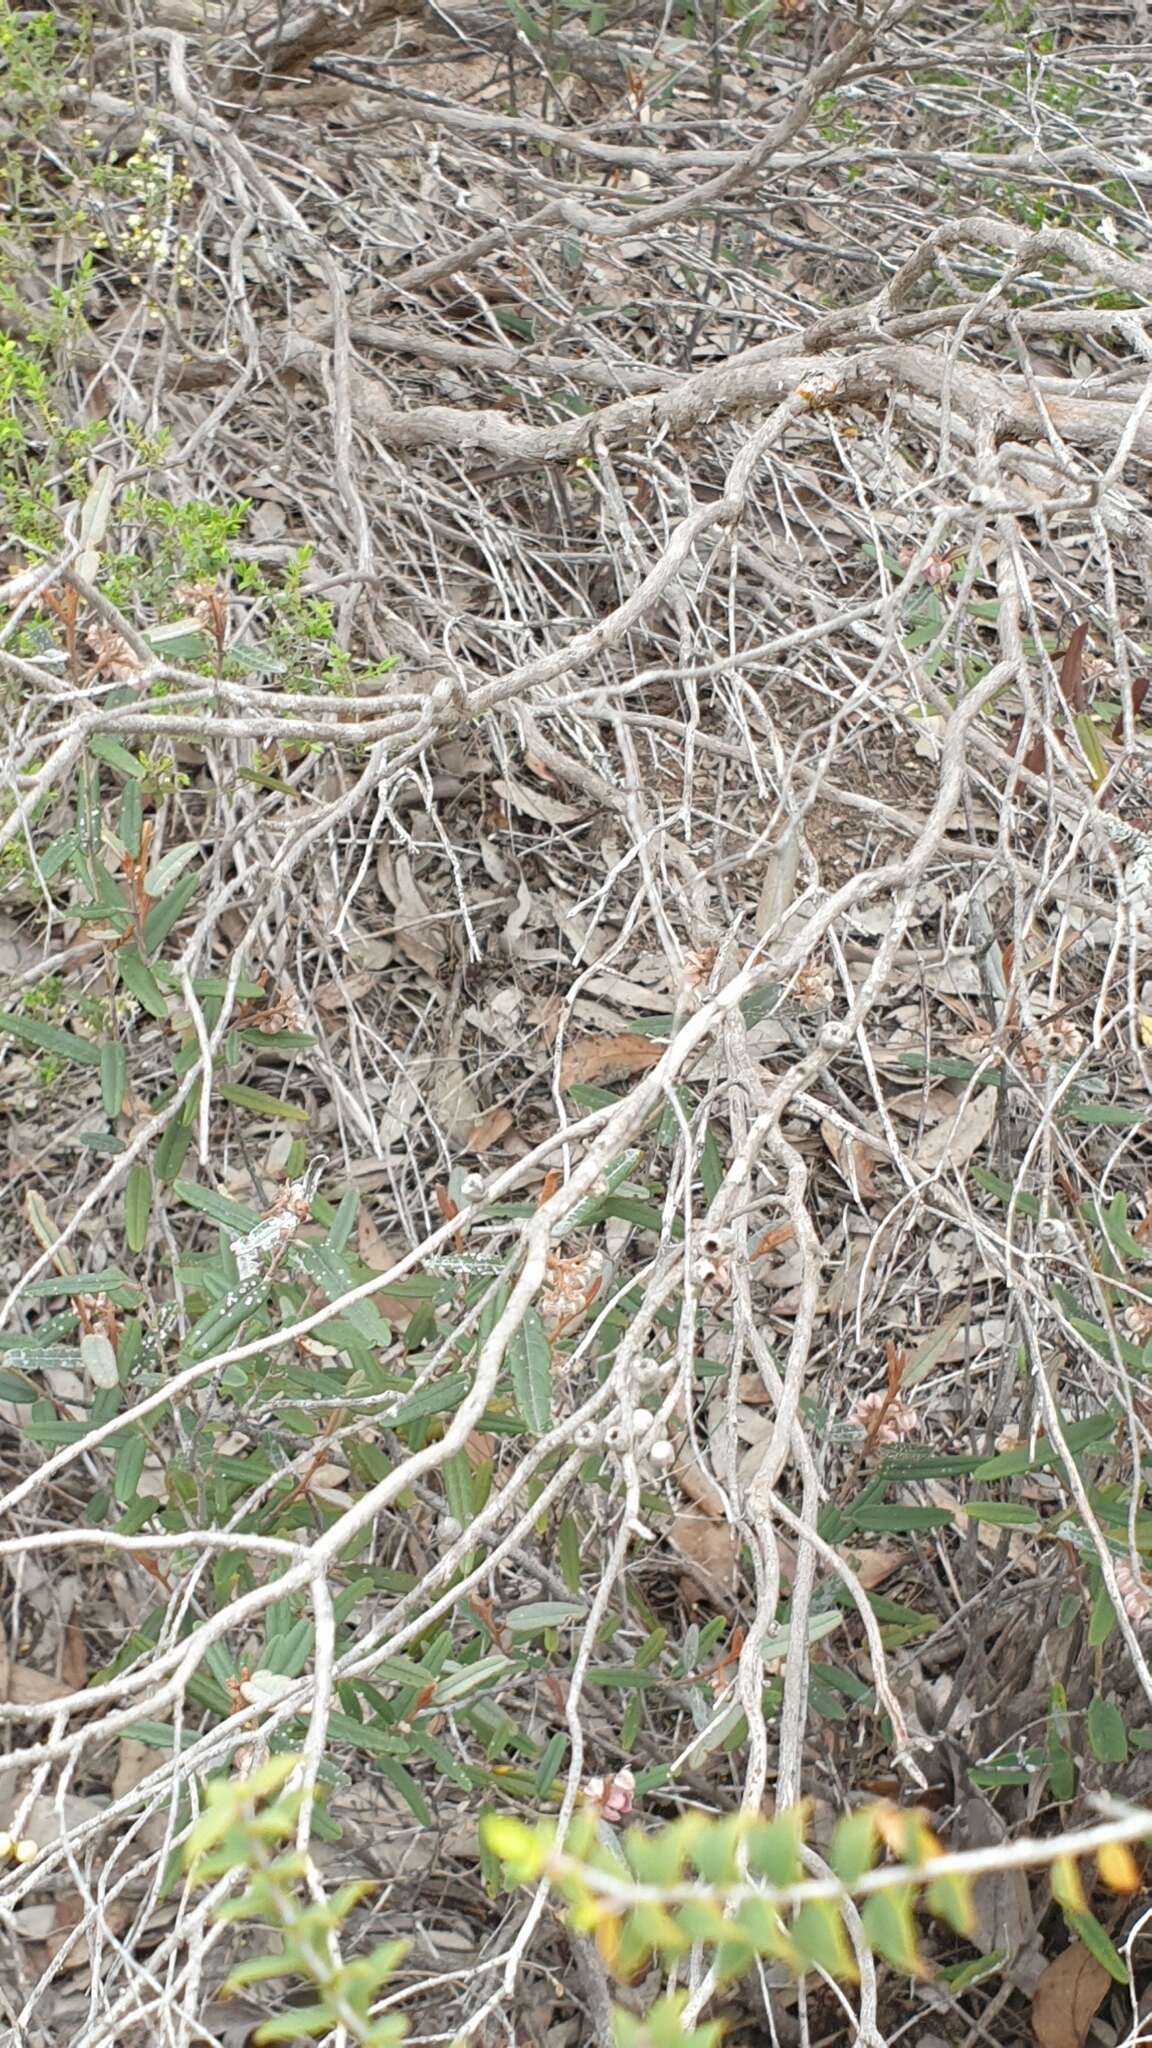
x=244, y=1832
x=738, y=1885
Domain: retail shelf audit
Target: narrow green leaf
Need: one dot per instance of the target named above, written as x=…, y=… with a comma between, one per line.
x=131, y=818
x=230, y=1215
x=901, y=1519
x=129, y=1466
x=1113, y=1114
x=172, y=1149
x=542, y=1614
x=137, y=1206
x=262, y=1105
x=1002, y=1514
x=530, y=1364
x=456, y=1474
x=1088, y=1930
x=113, y=1076
x=1093, y=752
x=163, y=916
x=473, y=1678
x=137, y=977
x=51, y=1038
x=549, y=1764
x=170, y=865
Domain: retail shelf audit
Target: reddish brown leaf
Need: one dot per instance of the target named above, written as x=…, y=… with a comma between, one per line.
x=1072, y=671
x=1036, y=758
x=616, y=1052
x=489, y=1130
x=1140, y=689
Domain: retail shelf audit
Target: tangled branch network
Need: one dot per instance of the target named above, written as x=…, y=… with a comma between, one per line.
x=660, y=776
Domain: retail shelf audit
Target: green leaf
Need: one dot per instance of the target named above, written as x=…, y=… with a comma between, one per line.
x=901, y=1519
x=774, y=1847
x=51, y=1038
x=172, y=1149
x=137, y=977
x=129, y=1466
x=303, y=2019
x=113, y=1077
x=961, y=1976
x=1106, y=1733
x=890, y=1929
x=1088, y=1930
x=98, y=1358
x=530, y=1364
x=163, y=916
x=853, y=1846
x=950, y=1898
x=818, y=1934
x=164, y=872
x=137, y=1206
x=114, y=755
x=456, y=1474
x=542, y=1614
x=131, y=818
x=1093, y=752
x=1002, y=1514
x=230, y=1215
x=262, y=1105
x=1113, y=1114
x=405, y=1784
x=568, y=1548
x=549, y=1764
x=473, y=1678
x=1027, y=1205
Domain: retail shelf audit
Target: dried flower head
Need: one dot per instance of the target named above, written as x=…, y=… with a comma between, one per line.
x=111, y=655
x=209, y=607
x=936, y=570
x=1053, y=1041
x=977, y=1041
x=614, y=1797
x=812, y=988
x=884, y=1421
x=1137, y=1320
x=698, y=966
x=1135, y=1596
x=570, y=1287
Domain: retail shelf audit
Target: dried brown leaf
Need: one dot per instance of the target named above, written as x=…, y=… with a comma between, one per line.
x=21, y=1686
x=547, y=809
x=872, y=1567
x=135, y=1762
x=489, y=1130
x=416, y=928
x=713, y=1547
x=855, y=1160
x=1068, y=1997
x=615, y=1052
x=953, y=1141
